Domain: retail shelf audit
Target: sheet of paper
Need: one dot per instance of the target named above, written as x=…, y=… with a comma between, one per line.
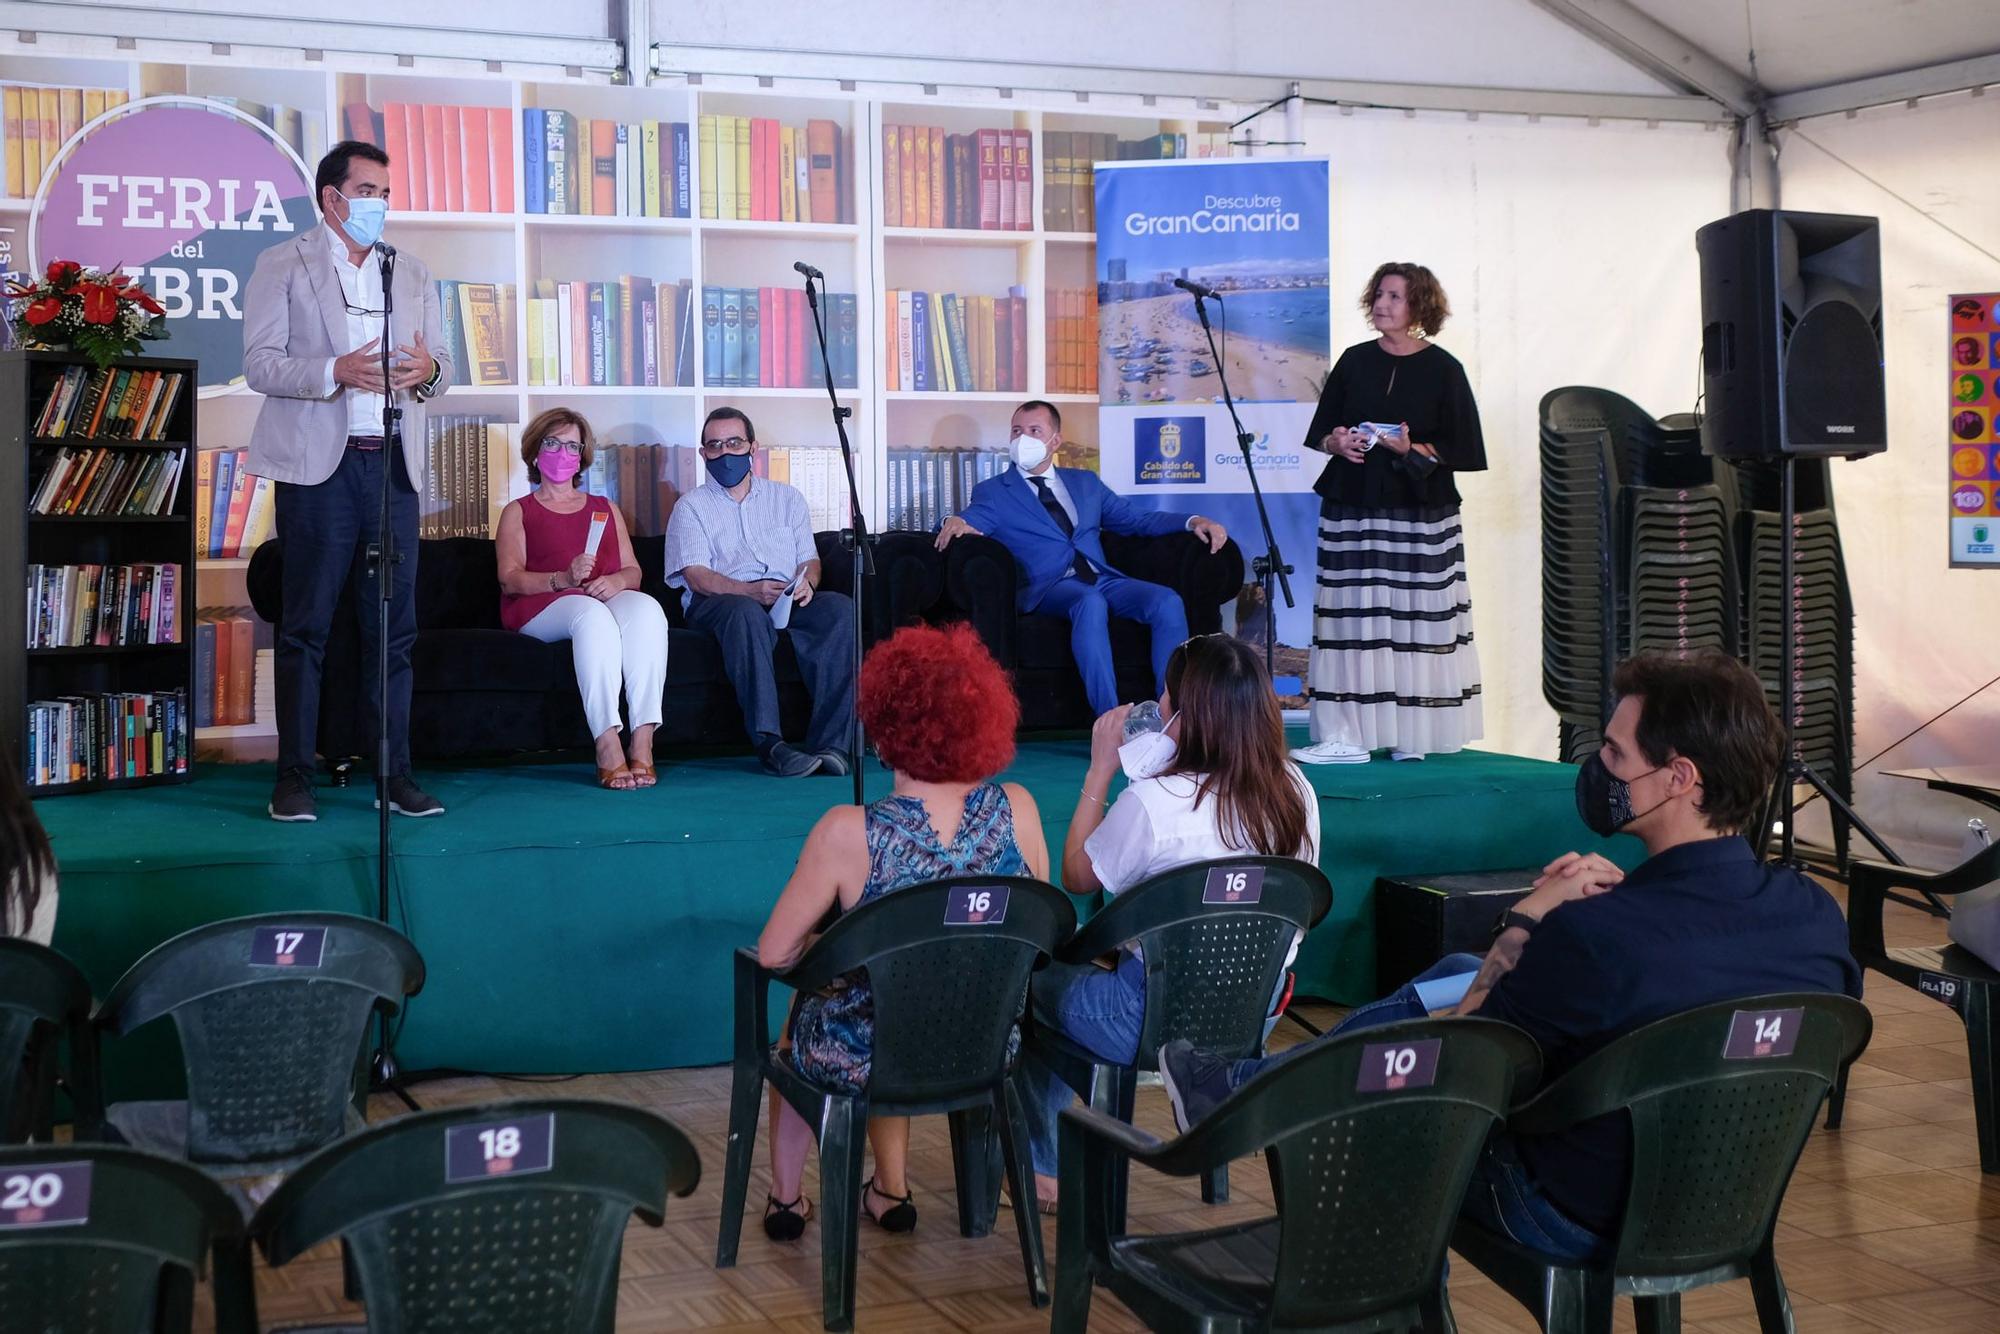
x=598, y=523
x=1442, y=993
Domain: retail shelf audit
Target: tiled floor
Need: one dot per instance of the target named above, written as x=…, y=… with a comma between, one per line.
x=1888, y=1226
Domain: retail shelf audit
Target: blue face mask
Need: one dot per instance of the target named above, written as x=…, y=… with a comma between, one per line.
x=365, y=218
x=729, y=469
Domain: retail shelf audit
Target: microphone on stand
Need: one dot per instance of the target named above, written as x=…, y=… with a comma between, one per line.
x=386, y=250
x=808, y=270
x=1197, y=289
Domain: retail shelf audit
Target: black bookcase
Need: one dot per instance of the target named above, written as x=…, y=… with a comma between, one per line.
x=28, y=539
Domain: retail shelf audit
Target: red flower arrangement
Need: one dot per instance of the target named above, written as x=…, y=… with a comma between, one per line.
x=102, y=315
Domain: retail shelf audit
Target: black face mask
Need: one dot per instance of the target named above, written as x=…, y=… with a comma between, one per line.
x=1604, y=800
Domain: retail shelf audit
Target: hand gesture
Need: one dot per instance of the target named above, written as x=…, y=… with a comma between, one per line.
x=1209, y=531
x=1344, y=444
x=603, y=588
x=802, y=592
x=1570, y=877
x=766, y=591
x=1400, y=441
x=951, y=528
x=580, y=568
x=415, y=367
x=360, y=369
x=1107, y=734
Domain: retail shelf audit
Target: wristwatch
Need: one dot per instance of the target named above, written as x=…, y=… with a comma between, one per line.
x=1511, y=918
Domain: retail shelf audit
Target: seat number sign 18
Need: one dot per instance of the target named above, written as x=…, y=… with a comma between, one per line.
x=1234, y=884
x=1758, y=1033
x=976, y=905
x=288, y=947
x=1388, y=1067
x=44, y=1195
x=490, y=1149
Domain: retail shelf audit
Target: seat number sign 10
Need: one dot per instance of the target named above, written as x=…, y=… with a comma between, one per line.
x=976, y=905
x=1755, y=1034
x=1234, y=884
x=44, y=1195
x=288, y=947
x=1390, y=1067
x=488, y=1149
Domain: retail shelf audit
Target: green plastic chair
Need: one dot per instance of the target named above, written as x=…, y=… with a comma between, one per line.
x=1368, y=1176
x=505, y=1217
x=45, y=1005
x=1211, y=969
x=1714, y=1139
x=1952, y=975
x=274, y=1052
x=946, y=1001
x=151, y=1226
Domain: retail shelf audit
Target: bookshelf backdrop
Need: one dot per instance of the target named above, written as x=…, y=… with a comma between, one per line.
x=627, y=251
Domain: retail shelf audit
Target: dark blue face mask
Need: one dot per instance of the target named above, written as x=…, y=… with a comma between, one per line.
x=729, y=469
x=1604, y=800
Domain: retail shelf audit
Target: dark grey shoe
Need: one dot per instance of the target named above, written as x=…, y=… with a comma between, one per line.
x=406, y=798
x=1195, y=1081
x=292, y=797
x=833, y=762
x=788, y=762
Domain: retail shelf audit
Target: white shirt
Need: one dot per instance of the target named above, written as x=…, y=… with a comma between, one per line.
x=1055, y=481
x=1155, y=826
x=766, y=535
x=361, y=285
x=41, y=924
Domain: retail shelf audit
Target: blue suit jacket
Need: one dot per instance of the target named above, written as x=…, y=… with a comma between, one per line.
x=1010, y=510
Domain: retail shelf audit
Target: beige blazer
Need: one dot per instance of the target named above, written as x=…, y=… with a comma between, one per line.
x=294, y=324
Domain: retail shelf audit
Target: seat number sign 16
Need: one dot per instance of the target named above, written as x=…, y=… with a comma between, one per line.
x=1758, y=1033
x=1388, y=1067
x=288, y=946
x=490, y=1149
x=44, y=1195
x=976, y=905
x=1234, y=884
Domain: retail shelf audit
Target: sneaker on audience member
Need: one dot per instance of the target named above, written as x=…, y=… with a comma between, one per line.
x=833, y=762
x=292, y=797
x=1331, y=752
x=406, y=798
x=1196, y=1081
x=787, y=762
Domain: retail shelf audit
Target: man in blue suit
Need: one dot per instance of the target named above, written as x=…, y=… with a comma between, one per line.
x=1051, y=518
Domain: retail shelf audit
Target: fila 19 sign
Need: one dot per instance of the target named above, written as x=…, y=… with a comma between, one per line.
x=183, y=194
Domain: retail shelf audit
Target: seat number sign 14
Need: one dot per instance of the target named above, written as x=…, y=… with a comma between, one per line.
x=1759, y=1033
x=1390, y=1067
x=976, y=905
x=489, y=1149
x=288, y=947
x=1234, y=884
x=44, y=1195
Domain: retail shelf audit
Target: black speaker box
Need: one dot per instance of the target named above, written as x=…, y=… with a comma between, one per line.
x=1791, y=345
x=1421, y=918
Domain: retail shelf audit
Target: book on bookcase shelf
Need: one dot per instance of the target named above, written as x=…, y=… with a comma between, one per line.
x=478, y=325
x=581, y=166
x=94, y=736
x=234, y=509
x=942, y=342
x=232, y=648
x=754, y=169
x=38, y=121
x=927, y=485
x=103, y=606
x=105, y=481
x=115, y=403
x=442, y=159
x=472, y=468
x=1069, y=199
x=982, y=180
x=763, y=337
x=630, y=331
x=1070, y=340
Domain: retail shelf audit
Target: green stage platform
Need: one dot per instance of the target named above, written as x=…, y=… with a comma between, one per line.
x=568, y=929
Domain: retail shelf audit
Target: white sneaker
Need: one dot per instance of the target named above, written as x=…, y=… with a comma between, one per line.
x=1331, y=752
x=1401, y=755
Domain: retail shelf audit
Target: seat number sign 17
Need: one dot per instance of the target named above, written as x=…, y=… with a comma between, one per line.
x=489, y=1149
x=288, y=947
x=1758, y=1033
x=44, y=1195
x=1390, y=1067
x=1234, y=884
x=976, y=905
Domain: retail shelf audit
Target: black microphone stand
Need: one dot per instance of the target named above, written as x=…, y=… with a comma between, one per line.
x=857, y=538
x=1270, y=564
x=383, y=558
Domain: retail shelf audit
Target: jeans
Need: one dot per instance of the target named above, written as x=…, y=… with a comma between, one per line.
x=1090, y=607
x=822, y=634
x=1098, y=1010
x=1400, y=1004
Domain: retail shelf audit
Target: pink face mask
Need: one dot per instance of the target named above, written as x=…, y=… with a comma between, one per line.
x=558, y=465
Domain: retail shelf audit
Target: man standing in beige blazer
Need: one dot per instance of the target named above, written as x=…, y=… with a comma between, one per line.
x=313, y=319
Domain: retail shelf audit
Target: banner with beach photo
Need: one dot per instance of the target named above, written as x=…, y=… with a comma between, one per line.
x=1256, y=230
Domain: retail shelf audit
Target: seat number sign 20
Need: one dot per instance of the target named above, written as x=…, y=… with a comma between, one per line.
x=1390, y=1067
x=45, y=1195
x=487, y=1149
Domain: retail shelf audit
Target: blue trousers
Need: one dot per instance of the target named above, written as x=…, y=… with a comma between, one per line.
x=1090, y=607
x=1098, y=1009
x=822, y=635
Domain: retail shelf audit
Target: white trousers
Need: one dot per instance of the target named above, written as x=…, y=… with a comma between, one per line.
x=623, y=638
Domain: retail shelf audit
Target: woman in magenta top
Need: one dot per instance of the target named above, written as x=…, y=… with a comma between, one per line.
x=551, y=587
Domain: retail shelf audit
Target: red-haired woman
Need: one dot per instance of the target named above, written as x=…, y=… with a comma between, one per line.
x=942, y=715
x=1393, y=663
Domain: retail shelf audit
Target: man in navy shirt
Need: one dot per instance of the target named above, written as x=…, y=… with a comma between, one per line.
x=1592, y=953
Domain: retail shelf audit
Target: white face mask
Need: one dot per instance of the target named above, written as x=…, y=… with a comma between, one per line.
x=1148, y=753
x=1029, y=453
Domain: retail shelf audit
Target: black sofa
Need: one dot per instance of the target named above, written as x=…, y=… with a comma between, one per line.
x=483, y=690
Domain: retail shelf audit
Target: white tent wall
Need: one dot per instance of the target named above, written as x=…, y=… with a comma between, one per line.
x=1568, y=253
x=564, y=20
x=1926, y=635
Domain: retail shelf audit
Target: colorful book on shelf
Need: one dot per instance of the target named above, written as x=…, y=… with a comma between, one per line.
x=763, y=337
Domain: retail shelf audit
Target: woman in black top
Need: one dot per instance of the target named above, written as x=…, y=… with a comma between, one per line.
x=1393, y=663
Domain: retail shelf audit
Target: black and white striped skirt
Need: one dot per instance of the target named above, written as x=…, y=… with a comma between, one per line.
x=1393, y=662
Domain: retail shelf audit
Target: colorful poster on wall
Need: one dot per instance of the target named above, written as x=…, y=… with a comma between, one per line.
x=1973, y=429
x=1256, y=230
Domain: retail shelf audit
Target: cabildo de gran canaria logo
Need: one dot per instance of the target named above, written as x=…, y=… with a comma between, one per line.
x=1170, y=451
x=1219, y=213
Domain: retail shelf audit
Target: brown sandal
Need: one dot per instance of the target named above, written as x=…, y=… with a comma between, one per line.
x=611, y=779
x=643, y=775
